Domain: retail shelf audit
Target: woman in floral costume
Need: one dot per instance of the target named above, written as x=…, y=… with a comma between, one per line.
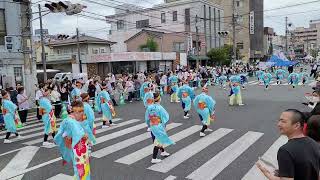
x=73, y=142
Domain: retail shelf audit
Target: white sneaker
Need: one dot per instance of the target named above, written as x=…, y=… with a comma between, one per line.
x=19, y=137
x=148, y=130
x=185, y=117
x=7, y=141
x=241, y=104
x=188, y=115
x=209, y=130
x=202, y=134
x=105, y=126
x=165, y=154
x=155, y=161
x=47, y=144
x=177, y=101
x=113, y=124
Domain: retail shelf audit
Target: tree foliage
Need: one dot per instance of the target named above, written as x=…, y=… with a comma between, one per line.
x=151, y=45
x=222, y=55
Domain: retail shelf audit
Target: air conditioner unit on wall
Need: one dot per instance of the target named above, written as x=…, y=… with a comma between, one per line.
x=13, y=43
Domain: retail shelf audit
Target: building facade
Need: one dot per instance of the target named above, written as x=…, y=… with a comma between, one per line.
x=188, y=18
x=16, y=60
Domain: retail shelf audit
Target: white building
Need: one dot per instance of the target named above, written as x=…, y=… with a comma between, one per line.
x=177, y=16
x=15, y=45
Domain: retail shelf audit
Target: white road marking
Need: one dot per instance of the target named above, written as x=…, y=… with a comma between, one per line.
x=214, y=166
x=61, y=177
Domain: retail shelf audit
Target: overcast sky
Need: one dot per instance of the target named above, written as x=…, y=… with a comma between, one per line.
x=59, y=23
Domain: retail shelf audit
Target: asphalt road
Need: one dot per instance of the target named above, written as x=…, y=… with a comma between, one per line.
x=240, y=135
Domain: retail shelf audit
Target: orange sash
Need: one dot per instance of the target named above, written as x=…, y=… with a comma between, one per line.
x=149, y=101
x=202, y=105
x=185, y=94
x=41, y=111
x=154, y=120
x=4, y=111
x=102, y=100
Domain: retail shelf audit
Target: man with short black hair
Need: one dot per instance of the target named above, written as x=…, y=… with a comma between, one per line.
x=299, y=158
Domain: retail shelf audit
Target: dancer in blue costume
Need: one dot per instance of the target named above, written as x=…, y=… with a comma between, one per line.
x=148, y=99
x=73, y=142
x=259, y=74
x=293, y=79
x=105, y=105
x=144, y=88
x=303, y=76
x=280, y=74
x=173, y=82
x=9, y=112
x=205, y=107
x=48, y=118
x=266, y=77
x=186, y=95
x=235, y=91
x=243, y=80
x=156, y=118
x=223, y=81
x=88, y=123
x=76, y=92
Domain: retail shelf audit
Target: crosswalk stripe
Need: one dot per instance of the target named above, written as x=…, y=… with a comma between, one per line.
x=61, y=177
x=253, y=82
x=171, y=178
x=120, y=133
x=270, y=155
x=20, y=162
x=128, y=142
x=39, y=140
x=187, y=152
x=146, y=151
x=9, y=152
x=214, y=166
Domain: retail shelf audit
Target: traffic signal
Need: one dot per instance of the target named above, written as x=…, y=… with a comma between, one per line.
x=65, y=6
x=223, y=33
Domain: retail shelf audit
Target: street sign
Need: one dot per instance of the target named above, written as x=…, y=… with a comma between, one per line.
x=251, y=17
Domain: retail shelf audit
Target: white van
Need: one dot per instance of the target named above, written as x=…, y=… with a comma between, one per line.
x=59, y=77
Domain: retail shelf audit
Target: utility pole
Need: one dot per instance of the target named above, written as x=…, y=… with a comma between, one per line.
x=43, y=55
x=78, y=46
x=286, y=35
x=197, y=44
x=234, y=31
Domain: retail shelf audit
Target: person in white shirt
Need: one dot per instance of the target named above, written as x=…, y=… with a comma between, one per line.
x=23, y=105
x=39, y=94
x=164, y=82
x=129, y=89
x=56, y=101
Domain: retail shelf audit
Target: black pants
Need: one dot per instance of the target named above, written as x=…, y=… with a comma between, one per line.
x=204, y=127
x=155, y=149
x=105, y=122
x=314, y=73
x=9, y=133
x=23, y=115
x=38, y=115
x=57, y=109
x=130, y=96
x=45, y=138
x=114, y=102
x=183, y=106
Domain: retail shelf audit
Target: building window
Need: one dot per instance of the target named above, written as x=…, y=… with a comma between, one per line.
x=58, y=51
x=175, y=16
x=95, y=51
x=163, y=17
x=239, y=3
x=102, y=50
x=142, y=23
x=178, y=47
x=120, y=24
x=240, y=45
x=187, y=16
x=17, y=71
x=3, y=32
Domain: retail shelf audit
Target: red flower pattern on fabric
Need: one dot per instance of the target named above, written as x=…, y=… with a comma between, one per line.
x=81, y=147
x=81, y=170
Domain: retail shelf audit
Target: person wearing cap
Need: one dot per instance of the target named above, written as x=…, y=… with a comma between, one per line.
x=293, y=79
x=186, y=95
x=156, y=118
x=88, y=122
x=280, y=74
x=76, y=92
x=235, y=91
x=73, y=142
x=205, y=107
x=48, y=118
x=104, y=105
x=9, y=114
x=266, y=78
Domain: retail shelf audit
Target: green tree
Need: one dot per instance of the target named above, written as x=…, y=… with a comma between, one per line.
x=229, y=50
x=151, y=45
x=219, y=56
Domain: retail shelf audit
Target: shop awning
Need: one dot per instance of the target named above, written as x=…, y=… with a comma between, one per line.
x=200, y=58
